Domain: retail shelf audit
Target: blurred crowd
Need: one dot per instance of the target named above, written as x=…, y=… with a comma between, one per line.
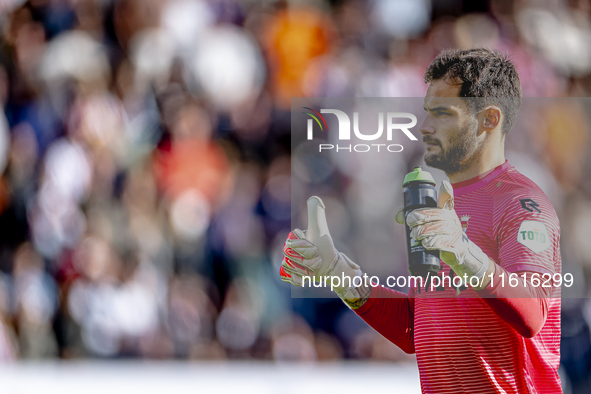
x=145, y=157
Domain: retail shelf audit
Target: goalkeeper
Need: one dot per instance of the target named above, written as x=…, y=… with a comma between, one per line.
x=496, y=338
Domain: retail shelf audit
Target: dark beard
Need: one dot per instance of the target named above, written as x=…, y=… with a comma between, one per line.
x=460, y=153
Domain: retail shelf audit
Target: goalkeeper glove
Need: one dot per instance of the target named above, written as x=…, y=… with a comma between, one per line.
x=312, y=253
x=441, y=229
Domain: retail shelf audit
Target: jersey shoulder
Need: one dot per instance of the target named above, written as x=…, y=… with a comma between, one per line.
x=517, y=196
x=525, y=225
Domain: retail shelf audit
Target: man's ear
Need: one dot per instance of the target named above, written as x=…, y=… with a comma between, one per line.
x=491, y=118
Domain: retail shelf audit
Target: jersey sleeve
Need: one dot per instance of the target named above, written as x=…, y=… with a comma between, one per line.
x=523, y=306
x=391, y=313
x=527, y=233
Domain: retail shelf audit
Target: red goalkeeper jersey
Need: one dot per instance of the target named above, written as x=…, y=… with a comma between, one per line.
x=472, y=344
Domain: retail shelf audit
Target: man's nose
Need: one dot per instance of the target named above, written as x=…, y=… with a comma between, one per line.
x=426, y=127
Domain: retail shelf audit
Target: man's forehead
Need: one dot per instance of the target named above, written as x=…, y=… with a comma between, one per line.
x=441, y=94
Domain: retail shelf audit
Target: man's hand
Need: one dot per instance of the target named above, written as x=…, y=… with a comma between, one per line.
x=312, y=253
x=441, y=229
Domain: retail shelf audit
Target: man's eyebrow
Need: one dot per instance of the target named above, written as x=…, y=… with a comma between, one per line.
x=440, y=108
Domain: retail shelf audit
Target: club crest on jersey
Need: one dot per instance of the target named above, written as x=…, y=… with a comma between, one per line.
x=464, y=219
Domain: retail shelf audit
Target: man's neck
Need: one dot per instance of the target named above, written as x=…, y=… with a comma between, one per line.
x=473, y=172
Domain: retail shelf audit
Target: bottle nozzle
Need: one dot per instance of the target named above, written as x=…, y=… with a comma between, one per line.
x=418, y=174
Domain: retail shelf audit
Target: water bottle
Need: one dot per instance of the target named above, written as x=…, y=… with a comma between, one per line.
x=419, y=192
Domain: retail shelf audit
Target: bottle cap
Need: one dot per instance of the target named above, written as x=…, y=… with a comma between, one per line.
x=418, y=175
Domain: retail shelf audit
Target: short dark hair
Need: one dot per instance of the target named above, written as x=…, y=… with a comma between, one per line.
x=481, y=73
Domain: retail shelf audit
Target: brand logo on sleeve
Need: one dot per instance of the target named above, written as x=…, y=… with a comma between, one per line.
x=534, y=235
x=530, y=205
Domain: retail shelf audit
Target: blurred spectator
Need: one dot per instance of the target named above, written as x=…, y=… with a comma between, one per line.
x=293, y=37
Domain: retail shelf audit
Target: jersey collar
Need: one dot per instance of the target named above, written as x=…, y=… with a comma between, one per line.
x=480, y=181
